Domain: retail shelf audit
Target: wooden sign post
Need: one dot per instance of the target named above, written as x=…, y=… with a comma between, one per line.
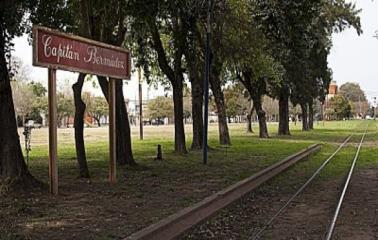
x=55, y=50
x=112, y=131
x=53, y=136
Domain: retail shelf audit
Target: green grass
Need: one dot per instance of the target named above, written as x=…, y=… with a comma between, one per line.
x=341, y=163
x=155, y=189
x=247, y=154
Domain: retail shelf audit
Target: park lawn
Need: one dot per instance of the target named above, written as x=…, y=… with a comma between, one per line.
x=153, y=190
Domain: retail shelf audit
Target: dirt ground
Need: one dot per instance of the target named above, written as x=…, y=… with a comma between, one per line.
x=308, y=217
x=97, y=210
x=359, y=217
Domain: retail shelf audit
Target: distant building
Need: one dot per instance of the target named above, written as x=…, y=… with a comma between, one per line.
x=332, y=90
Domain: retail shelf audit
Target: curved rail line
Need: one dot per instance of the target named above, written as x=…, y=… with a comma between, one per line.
x=340, y=202
x=260, y=232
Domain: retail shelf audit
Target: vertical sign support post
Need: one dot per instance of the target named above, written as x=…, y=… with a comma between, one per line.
x=140, y=105
x=53, y=139
x=112, y=131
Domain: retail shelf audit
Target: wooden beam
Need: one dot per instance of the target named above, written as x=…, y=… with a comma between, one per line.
x=112, y=131
x=53, y=143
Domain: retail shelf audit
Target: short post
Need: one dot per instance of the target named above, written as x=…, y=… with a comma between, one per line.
x=53, y=142
x=159, y=155
x=112, y=131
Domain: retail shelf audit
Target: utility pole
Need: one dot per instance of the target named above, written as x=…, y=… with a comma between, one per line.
x=140, y=105
x=375, y=106
x=206, y=83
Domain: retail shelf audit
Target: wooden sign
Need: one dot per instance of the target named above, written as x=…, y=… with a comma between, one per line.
x=53, y=49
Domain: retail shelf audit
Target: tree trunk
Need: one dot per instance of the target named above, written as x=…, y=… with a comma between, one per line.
x=283, y=126
x=224, y=136
x=13, y=169
x=263, y=129
x=98, y=121
x=124, y=150
x=175, y=76
x=79, y=127
x=304, y=108
x=311, y=115
x=195, y=78
x=195, y=68
x=178, y=105
x=197, y=112
x=249, y=119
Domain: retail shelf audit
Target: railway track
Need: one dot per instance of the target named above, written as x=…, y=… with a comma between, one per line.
x=332, y=225
x=346, y=184
x=177, y=224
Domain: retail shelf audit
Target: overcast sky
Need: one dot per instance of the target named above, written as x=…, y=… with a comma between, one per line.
x=353, y=58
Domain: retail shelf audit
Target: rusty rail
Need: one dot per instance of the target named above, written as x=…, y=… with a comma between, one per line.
x=177, y=224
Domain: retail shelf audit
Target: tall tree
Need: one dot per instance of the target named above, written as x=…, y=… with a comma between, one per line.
x=250, y=58
x=194, y=58
x=23, y=99
x=237, y=103
x=334, y=16
x=356, y=96
x=80, y=107
x=291, y=26
x=107, y=22
x=273, y=20
x=97, y=107
x=338, y=108
x=13, y=169
x=221, y=12
x=159, y=108
x=353, y=92
x=167, y=32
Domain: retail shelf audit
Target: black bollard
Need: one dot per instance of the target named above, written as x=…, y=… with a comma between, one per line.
x=159, y=155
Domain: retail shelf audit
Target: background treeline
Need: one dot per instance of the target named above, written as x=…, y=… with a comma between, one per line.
x=268, y=47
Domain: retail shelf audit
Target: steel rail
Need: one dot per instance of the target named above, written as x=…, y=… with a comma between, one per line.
x=177, y=224
x=258, y=234
x=335, y=216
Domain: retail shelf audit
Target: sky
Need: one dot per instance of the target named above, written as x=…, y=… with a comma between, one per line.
x=353, y=58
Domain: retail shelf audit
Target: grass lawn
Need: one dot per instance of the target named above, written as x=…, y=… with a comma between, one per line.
x=153, y=190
